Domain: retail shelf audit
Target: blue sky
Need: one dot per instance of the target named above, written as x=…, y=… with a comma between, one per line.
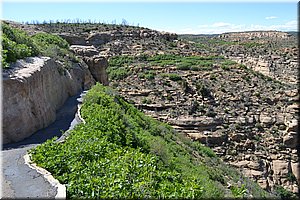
x=178, y=17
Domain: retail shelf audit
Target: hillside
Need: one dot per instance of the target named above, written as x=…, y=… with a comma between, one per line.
x=273, y=53
x=236, y=95
x=120, y=153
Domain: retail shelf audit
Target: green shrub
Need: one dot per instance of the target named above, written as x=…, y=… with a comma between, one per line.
x=51, y=45
x=228, y=62
x=184, y=66
x=251, y=44
x=120, y=61
x=46, y=39
x=283, y=193
x=150, y=76
x=16, y=44
x=19, y=37
x=195, y=68
x=291, y=177
x=238, y=192
x=118, y=73
x=146, y=101
x=202, y=89
x=225, y=67
x=175, y=77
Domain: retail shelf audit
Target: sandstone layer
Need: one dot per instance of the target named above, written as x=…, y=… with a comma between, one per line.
x=33, y=89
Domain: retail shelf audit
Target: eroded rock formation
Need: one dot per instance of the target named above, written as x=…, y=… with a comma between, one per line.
x=32, y=92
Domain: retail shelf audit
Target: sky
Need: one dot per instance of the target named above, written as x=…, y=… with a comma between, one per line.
x=195, y=17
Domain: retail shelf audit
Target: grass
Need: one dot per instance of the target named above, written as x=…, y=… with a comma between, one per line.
x=121, y=153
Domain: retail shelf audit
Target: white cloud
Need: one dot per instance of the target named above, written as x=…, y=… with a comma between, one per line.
x=223, y=27
x=271, y=17
x=221, y=24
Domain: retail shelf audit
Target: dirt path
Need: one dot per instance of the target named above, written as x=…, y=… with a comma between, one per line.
x=18, y=179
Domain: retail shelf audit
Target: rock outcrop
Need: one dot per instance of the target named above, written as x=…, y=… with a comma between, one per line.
x=256, y=34
x=248, y=120
x=96, y=64
x=32, y=92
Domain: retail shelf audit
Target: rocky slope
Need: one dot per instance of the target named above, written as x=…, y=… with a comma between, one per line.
x=248, y=118
x=250, y=35
x=273, y=53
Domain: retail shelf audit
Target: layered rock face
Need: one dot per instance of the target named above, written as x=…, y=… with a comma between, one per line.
x=256, y=34
x=96, y=64
x=248, y=121
x=272, y=53
x=281, y=65
x=32, y=92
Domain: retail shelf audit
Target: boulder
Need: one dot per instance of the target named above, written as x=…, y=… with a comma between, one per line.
x=280, y=167
x=83, y=50
x=97, y=39
x=292, y=125
x=97, y=66
x=290, y=140
x=266, y=119
x=252, y=173
x=254, y=165
x=237, y=137
x=242, y=163
x=74, y=39
x=296, y=170
x=291, y=93
x=263, y=183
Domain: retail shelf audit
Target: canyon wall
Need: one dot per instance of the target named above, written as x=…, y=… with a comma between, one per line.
x=34, y=88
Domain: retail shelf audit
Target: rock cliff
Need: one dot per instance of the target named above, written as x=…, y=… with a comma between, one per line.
x=33, y=89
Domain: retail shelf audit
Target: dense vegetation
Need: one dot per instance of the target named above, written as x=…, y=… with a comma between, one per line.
x=121, y=153
x=17, y=44
x=119, y=65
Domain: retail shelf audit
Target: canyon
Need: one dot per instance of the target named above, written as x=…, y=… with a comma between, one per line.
x=243, y=105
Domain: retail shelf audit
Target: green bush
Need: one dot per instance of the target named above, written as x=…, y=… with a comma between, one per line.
x=238, y=192
x=16, y=44
x=51, y=45
x=118, y=73
x=184, y=66
x=150, y=75
x=46, y=39
x=118, y=67
x=202, y=89
x=195, y=68
x=175, y=77
x=251, y=44
x=225, y=65
x=283, y=193
x=121, y=61
x=19, y=37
